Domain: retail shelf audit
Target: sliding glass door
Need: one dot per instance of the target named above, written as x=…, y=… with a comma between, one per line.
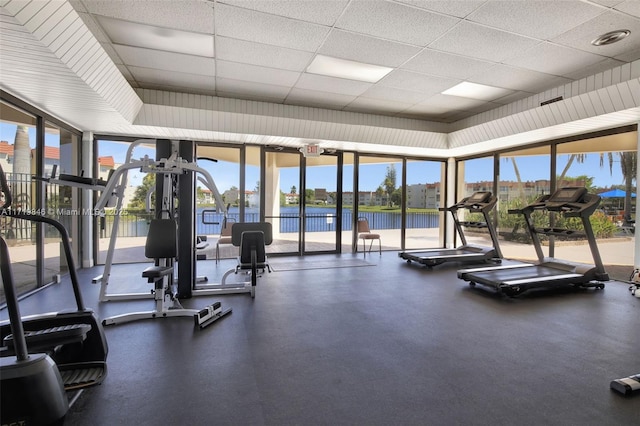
x=321, y=206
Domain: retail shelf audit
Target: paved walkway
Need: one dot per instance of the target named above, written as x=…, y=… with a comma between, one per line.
x=614, y=251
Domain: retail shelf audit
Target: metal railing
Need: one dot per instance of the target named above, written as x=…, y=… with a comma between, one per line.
x=23, y=190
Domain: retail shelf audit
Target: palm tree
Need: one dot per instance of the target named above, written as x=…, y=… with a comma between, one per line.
x=516, y=170
x=577, y=157
x=629, y=168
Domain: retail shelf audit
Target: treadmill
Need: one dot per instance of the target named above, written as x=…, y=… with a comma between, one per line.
x=548, y=272
x=479, y=202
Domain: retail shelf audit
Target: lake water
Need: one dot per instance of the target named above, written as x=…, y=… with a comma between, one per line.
x=318, y=219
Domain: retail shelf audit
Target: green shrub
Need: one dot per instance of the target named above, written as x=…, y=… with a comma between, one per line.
x=513, y=226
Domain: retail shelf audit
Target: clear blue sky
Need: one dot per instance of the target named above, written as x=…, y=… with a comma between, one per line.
x=371, y=175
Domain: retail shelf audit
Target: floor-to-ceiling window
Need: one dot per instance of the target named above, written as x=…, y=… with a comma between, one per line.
x=122, y=231
x=61, y=201
x=524, y=176
x=18, y=139
x=31, y=145
x=607, y=166
x=424, y=193
x=282, y=178
x=379, y=197
x=473, y=175
x=223, y=165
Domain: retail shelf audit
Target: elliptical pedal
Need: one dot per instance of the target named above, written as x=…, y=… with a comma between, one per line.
x=82, y=374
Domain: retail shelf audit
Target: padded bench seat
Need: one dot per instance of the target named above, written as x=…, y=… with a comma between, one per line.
x=154, y=273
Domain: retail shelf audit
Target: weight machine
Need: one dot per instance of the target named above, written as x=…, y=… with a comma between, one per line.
x=175, y=161
x=176, y=173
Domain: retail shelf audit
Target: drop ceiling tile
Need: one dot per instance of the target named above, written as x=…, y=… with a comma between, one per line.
x=332, y=84
x=427, y=108
x=394, y=21
x=445, y=64
x=260, y=27
x=256, y=74
x=539, y=19
x=323, y=12
x=480, y=42
x=318, y=99
x=412, y=81
x=376, y=106
x=553, y=59
x=187, y=15
x=233, y=50
x=454, y=116
x=601, y=66
x=251, y=90
x=581, y=36
x=370, y=50
x=394, y=94
x=171, y=78
x=168, y=61
x=518, y=79
x=458, y=8
x=451, y=102
x=608, y=3
x=179, y=89
x=172, y=40
x=516, y=96
x=631, y=7
x=629, y=56
x=488, y=106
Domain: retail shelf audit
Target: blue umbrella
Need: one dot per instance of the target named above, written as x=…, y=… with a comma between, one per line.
x=615, y=193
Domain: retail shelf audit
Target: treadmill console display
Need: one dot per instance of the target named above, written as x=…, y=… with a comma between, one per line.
x=567, y=195
x=479, y=197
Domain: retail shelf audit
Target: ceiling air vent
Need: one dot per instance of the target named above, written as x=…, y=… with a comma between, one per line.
x=550, y=101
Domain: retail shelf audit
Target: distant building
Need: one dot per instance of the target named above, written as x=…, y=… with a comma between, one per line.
x=292, y=198
x=321, y=194
x=105, y=165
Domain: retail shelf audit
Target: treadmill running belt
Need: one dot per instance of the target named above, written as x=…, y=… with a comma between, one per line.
x=502, y=275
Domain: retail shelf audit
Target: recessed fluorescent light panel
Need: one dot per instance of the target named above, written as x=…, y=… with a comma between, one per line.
x=341, y=68
x=477, y=91
x=157, y=38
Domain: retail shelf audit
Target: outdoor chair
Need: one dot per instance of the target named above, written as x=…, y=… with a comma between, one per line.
x=365, y=234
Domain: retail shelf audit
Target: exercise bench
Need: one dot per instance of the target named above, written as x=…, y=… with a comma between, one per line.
x=162, y=245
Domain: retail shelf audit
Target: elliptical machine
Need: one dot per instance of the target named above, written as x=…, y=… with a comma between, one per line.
x=31, y=386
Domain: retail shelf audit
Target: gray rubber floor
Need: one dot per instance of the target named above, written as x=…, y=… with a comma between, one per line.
x=385, y=344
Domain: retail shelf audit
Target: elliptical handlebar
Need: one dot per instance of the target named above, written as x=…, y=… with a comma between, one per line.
x=4, y=186
x=64, y=236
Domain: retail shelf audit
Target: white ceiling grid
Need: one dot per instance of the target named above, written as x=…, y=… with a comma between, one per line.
x=257, y=52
